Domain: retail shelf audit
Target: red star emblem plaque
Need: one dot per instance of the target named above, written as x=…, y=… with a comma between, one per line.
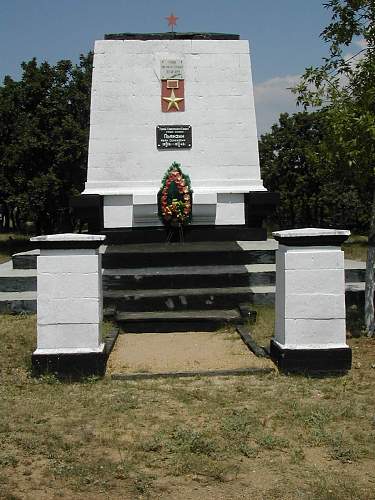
x=172, y=95
x=172, y=84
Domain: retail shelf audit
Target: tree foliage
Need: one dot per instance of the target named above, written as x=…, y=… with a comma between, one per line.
x=299, y=162
x=44, y=123
x=346, y=86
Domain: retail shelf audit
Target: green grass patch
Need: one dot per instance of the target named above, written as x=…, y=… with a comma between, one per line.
x=273, y=436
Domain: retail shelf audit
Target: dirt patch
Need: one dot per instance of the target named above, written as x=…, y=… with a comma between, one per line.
x=182, y=352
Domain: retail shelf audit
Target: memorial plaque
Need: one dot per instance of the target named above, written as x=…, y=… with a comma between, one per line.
x=173, y=137
x=171, y=69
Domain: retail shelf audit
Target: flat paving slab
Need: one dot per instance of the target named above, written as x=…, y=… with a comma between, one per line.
x=150, y=355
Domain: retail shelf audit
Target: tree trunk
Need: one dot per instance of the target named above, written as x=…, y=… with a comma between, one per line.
x=12, y=219
x=19, y=222
x=370, y=276
x=2, y=217
x=6, y=225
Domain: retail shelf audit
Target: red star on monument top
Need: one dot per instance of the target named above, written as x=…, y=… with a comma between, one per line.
x=172, y=20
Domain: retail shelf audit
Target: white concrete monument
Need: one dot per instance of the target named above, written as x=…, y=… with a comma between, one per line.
x=310, y=333
x=157, y=99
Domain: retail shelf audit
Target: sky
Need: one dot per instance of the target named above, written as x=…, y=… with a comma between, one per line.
x=283, y=35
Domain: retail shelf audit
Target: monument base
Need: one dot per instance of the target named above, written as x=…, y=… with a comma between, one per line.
x=335, y=360
x=89, y=208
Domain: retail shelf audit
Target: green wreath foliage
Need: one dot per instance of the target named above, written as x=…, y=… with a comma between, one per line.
x=175, y=200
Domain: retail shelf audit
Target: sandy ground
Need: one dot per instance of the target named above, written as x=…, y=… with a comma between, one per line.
x=188, y=351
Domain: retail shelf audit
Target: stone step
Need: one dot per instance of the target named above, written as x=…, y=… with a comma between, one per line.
x=354, y=294
x=25, y=260
x=178, y=299
x=355, y=271
x=189, y=254
x=17, y=280
x=17, y=302
x=204, y=276
x=176, y=321
x=173, y=254
x=260, y=273
x=175, y=277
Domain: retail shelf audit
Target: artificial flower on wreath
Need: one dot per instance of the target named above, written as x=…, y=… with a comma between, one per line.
x=175, y=197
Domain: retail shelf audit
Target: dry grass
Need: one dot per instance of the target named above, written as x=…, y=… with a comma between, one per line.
x=270, y=437
x=356, y=248
x=264, y=327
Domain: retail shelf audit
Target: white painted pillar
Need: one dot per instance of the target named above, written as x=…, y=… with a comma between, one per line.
x=310, y=330
x=69, y=300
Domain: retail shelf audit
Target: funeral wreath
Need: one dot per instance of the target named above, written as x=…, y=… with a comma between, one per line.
x=175, y=197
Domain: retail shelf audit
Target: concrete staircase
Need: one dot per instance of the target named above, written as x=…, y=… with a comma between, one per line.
x=160, y=287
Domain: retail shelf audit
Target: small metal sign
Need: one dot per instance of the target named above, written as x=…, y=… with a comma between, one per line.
x=173, y=137
x=172, y=69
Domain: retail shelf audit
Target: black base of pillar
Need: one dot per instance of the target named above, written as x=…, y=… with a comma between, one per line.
x=69, y=365
x=312, y=361
x=74, y=365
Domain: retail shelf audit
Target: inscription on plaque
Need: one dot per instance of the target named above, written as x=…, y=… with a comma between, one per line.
x=173, y=137
x=171, y=69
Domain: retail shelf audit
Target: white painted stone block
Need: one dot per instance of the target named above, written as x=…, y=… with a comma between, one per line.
x=310, y=281
x=67, y=263
x=70, y=285
x=145, y=199
x=279, y=334
x=314, y=306
x=230, y=209
x=314, y=333
x=68, y=310
x=204, y=214
x=118, y=211
x=311, y=232
x=68, y=252
x=68, y=238
x=205, y=198
x=220, y=46
x=146, y=215
x=69, y=336
x=314, y=258
x=280, y=297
